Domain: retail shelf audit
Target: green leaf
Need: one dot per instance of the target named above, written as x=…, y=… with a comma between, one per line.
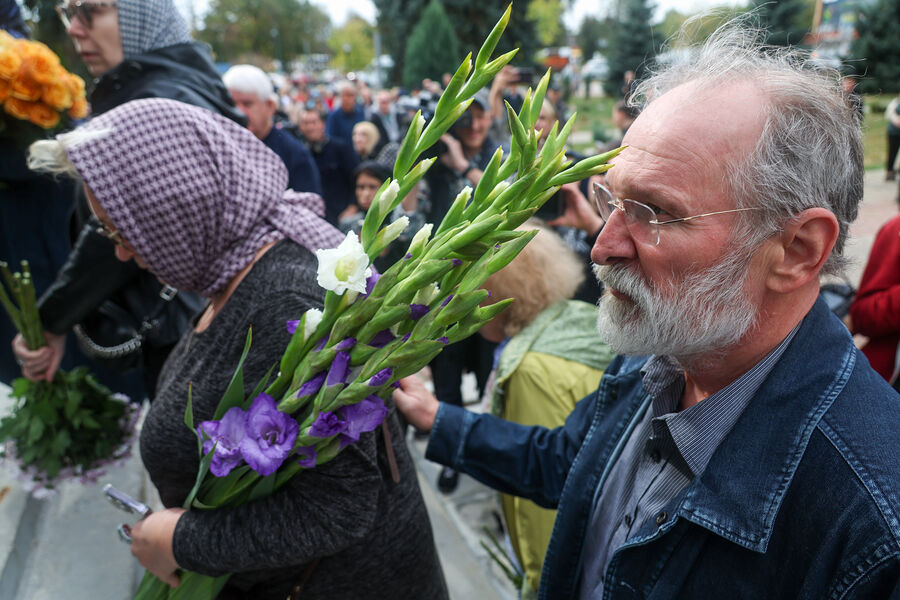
x=201, y=474
x=73, y=401
x=35, y=430
x=195, y=586
x=234, y=394
x=264, y=487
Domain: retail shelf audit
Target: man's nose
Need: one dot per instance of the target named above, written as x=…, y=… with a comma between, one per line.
x=614, y=243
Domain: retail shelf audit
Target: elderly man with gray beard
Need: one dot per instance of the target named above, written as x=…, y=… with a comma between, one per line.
x=753, y=453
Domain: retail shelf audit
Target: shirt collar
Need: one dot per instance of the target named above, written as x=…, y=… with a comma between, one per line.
x=698, y=430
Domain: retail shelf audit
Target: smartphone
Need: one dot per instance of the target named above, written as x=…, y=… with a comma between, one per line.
x=123, y=501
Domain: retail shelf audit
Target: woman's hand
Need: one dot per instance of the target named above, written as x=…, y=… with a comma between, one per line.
x=418, y=405
x=151, y=544
x=43, y=362
x=454, y=158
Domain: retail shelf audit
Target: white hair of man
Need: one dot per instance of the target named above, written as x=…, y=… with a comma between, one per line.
x=810, y=153
x=248, y=79
x=345, y=84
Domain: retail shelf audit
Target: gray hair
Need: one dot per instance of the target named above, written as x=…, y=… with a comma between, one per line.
x=248, y=79
x=49, y=156
x=810, y=152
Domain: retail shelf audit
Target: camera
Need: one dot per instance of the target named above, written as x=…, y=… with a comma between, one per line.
x=525, y=76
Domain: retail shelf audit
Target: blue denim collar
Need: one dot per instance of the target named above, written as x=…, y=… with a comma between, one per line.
x=742, y=488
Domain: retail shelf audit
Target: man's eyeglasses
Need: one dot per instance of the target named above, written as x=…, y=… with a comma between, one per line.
x=640, y=219
x=83, y=11
x=111, y=234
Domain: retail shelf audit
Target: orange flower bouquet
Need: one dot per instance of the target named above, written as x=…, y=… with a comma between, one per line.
x=37, y=94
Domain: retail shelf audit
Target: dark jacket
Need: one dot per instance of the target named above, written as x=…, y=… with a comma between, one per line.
x=92, y=274
x=303, y=176
x=800, y=500
x=336, y=161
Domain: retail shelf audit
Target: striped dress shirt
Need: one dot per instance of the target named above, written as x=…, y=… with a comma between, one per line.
x=664, y=453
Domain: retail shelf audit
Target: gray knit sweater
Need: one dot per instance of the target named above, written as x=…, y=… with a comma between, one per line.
x=372, y=536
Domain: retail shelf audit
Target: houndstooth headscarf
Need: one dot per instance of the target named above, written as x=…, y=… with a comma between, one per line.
x=150, y=24
x=195, y=194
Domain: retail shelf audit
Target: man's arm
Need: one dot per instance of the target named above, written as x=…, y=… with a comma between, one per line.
x=532, y=462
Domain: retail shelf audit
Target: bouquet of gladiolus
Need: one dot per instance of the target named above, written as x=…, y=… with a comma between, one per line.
x=36, y=92
x=67, y=428
x=342, y=363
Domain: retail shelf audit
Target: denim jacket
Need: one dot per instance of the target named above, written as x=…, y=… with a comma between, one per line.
x=800, y=500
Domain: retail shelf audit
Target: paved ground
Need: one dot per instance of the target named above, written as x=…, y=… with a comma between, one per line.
x=66, y=547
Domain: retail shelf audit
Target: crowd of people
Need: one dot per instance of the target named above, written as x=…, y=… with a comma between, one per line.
x=673, y=410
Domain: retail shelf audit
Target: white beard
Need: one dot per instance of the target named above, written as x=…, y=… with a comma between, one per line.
x=705, y=313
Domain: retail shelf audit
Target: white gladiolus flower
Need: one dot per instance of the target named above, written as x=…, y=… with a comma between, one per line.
x=312, y=320
x=345, y=267
x=393, y=231
x=390, y=193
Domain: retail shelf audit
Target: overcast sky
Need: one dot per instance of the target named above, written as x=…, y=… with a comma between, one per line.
x=338, y=9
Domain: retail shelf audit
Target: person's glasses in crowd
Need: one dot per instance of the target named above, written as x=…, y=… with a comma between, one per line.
x=83, y=11
x=111, y=234
x=640, y=219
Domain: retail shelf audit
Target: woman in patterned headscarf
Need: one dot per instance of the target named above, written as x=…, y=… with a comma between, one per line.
x=136, y=49
x=200, y=202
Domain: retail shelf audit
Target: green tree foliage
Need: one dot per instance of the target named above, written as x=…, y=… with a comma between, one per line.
x=633, y=45
x=547, y=18
x=677, y=28
x=594, y=35
x=272, y=28
x=785, y=21
x=432, y=49
x=875, y=52
x=353, y=44
x=471, y=20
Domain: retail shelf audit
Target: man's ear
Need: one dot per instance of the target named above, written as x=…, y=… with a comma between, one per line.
x=803, y=247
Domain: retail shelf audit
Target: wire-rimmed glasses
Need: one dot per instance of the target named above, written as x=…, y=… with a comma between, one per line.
x=112, y=235
x=83, y=11
x=640, y=219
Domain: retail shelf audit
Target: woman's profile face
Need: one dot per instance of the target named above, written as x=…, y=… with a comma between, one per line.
x=361, y=141
x=366, y=186
x=124, y=250
x=99, y=42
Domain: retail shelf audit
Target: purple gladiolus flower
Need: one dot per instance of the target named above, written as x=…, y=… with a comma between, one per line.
x=340, y=369
x=456, y=262
x=326, y=425
x=417, y=311
x=292, y=326
x=365, y=415
x=446, y=300
x=227, y=435
x=321, y=343
x=407, y=257
x=311, y=386
x=382, y=339
x=406, y=337
x=396, y=385
x=270, y=436
x=307, y=456
x=371, y=281
x=444, y=340
x=381, y=377
x=345, y=344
